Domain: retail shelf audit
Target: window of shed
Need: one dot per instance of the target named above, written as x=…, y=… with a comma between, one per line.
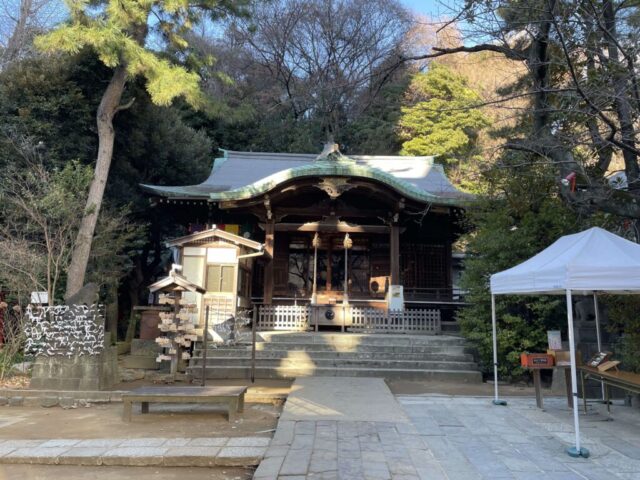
x=220, y=278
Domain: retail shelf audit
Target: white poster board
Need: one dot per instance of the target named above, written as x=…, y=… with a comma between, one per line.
x=40, y=298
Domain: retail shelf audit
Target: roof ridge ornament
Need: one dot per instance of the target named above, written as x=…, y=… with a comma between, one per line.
x=331, y=151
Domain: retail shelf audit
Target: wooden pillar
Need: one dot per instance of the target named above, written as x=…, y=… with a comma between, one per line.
x=394, y=252
x=328, y=287
x=269, y=237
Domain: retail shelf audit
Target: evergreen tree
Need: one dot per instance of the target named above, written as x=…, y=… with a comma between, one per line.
x=521, y=214
x=443, y=118
x=119, y=32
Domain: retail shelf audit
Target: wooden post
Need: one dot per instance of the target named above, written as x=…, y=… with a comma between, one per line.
x=177, y=295
x=538, y=388
x=328, y=286
x=254, y=326
x=314, y=294
x=205, y=344
x=269, y=237
x=394, y=252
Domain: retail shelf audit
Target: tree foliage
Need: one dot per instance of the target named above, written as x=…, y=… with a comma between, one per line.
x=624, y=321
x=119, y=32
x=580, y=80
x=320, y=56
x=50, y=100
x=521, y=215
x=39, y=222
x=442, y=118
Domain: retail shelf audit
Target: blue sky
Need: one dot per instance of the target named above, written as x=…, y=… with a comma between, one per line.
x=426, y=7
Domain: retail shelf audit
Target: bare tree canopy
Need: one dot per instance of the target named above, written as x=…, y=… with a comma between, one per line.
x=322, y=54
x=21, y=21
x=582, y=82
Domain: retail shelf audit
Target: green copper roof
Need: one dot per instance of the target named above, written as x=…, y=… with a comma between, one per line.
x=244, y=175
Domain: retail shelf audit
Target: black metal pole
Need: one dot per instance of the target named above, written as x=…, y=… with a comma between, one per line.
x=205, y=344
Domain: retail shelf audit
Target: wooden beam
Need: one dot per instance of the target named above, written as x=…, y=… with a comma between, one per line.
x=269, y=237
x=394, y=253
x=338, y=211
x=338, y=228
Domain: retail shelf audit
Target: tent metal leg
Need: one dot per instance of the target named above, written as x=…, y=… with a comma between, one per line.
x=575, y=451
x=496, y=400
x=597, y=311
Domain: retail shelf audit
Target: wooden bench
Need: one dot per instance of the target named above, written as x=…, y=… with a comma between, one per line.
x=625, y=380
x=232, y=397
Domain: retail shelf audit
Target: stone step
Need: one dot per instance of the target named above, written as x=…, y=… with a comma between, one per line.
x=466, y=376
x=140, y=361
x=359, y=339
x=137, y=452
x=305, y=364
x=320, y=347
x=246, y=352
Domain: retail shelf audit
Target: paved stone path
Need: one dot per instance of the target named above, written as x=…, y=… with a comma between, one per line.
x=469, y=438
x=443, y=438
x=341, y=427
x=173, y=452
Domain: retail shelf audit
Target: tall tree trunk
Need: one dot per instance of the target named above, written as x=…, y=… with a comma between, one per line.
x=109, y=106
x=539, y=65
x=17, y=41
x=621, y=99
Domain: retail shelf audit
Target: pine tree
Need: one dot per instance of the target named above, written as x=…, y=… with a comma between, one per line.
x=120, y=32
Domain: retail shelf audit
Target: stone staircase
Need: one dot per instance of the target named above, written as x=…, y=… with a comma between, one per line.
x=290, y=355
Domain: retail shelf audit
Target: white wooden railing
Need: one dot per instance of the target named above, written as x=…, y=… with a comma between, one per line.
x=357, y=319
x=283, y=317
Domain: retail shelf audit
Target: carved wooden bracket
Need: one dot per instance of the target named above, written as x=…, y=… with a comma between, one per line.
x=334, y=186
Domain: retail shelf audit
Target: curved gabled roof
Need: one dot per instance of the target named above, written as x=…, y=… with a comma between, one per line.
x=244, y=175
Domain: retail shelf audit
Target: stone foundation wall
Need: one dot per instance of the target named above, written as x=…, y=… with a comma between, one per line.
x=80, y=372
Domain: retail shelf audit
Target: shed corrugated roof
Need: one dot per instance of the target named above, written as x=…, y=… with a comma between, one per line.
x=242, y=175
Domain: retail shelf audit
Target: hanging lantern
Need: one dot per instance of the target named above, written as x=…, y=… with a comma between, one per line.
x=347, y=243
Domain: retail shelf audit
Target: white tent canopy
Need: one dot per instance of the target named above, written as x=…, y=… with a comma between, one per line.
x=584, y=263
x=591, y=261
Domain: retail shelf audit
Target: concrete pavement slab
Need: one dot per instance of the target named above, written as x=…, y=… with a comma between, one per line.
x=342, y=398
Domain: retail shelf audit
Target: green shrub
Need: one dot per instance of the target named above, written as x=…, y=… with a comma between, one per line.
x=520, y=217
x=625, y=321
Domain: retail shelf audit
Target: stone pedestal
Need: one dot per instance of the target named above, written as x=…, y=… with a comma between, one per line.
x=79, y=372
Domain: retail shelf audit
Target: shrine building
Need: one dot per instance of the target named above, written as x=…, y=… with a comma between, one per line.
x=358, y=242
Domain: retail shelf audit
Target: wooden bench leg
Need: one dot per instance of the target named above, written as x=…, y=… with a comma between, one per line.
x=144, y=407
x=241, y=403
x=126, y=415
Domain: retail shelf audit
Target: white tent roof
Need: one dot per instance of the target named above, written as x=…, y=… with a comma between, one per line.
x=591, y=261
